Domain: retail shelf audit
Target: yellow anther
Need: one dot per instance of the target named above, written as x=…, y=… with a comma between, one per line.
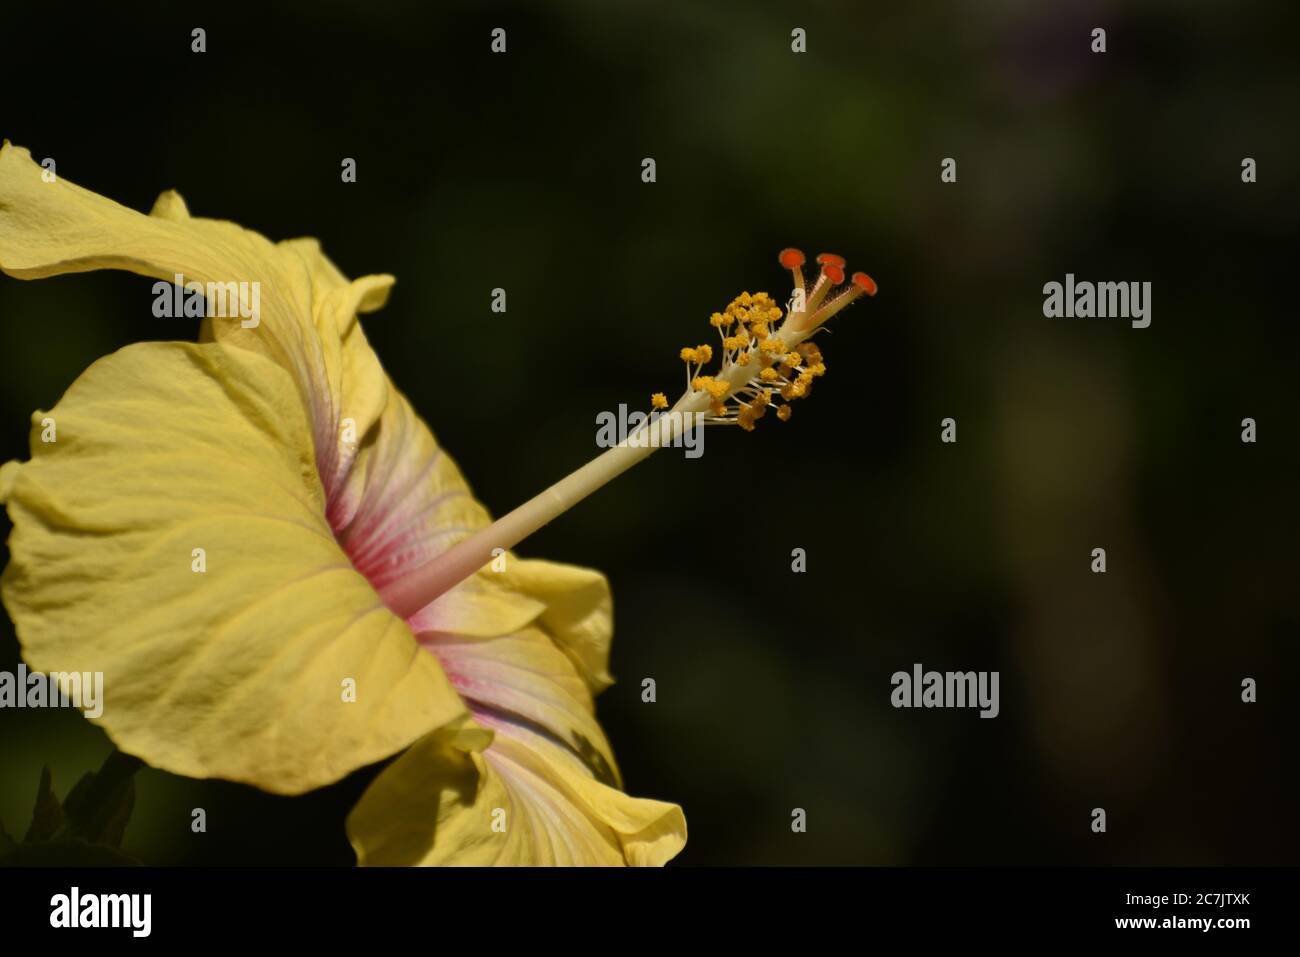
x=784, y=372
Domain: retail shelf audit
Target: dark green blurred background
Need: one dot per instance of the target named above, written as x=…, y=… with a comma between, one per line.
x=523, y=171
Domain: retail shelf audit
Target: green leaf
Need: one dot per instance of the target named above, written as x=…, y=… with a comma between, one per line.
x=47, y=815
x=66, y=853
x=98, y=808
x=87, y=828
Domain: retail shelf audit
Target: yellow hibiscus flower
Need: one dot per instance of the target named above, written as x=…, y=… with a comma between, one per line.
x=283, y=578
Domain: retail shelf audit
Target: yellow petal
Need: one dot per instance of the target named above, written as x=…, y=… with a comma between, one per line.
x=393, y=496
x=579, y=612
x=526, y=677
x=402, y=502
x=238, y=671
x=523, y=800
x=478, y=607
x=306, y=309
x=571, y=603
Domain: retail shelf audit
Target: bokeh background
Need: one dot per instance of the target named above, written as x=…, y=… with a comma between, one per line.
x=522, y=171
